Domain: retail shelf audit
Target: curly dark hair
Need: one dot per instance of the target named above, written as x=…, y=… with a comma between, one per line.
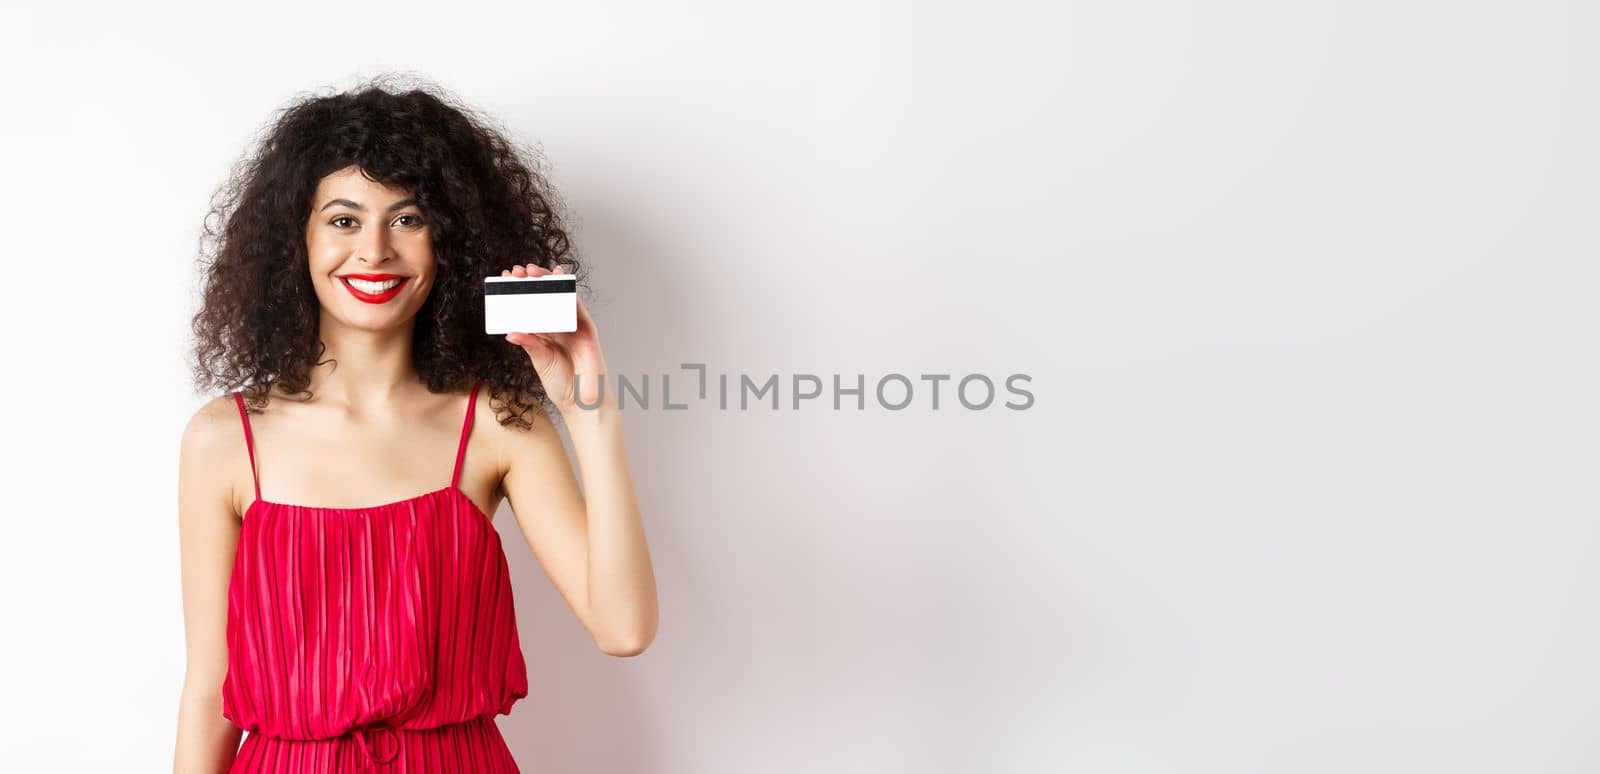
x=488, y=202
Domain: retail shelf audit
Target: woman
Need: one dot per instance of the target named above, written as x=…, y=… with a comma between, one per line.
x=342, y=619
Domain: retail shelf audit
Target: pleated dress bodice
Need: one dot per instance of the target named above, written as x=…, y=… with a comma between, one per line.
x=397, y=615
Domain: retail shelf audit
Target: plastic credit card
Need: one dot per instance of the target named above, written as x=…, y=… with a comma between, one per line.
x=547, y=303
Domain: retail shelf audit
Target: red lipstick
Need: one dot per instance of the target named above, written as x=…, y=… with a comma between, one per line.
x=369, y=297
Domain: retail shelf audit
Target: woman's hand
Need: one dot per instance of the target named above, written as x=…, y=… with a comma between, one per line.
x=559, y=358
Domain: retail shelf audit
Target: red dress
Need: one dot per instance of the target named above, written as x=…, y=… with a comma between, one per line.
x=381, y=637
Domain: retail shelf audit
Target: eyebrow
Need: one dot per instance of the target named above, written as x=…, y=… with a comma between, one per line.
x=355, y=206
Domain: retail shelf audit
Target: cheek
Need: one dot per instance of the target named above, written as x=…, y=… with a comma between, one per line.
x=428, y=269
x=321, y=253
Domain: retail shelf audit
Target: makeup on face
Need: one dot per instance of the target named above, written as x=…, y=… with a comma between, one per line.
x=356, y=220
x=373, y=288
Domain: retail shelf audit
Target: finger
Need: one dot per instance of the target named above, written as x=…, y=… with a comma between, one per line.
x=541, y=352
x=519, y=271
x=532, y=342
x=505, y=272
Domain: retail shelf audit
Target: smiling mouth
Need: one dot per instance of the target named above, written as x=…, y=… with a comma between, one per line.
x=374, y=291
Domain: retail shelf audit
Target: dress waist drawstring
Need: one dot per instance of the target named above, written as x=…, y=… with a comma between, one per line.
x=361, y=739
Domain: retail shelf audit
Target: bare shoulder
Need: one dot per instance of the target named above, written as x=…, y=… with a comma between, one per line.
x=487, y=420
x=211, y=424
x=212, y=443
x=512, y=442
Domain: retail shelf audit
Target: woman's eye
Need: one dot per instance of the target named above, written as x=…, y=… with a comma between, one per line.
x=335, y=221
x=415, y=221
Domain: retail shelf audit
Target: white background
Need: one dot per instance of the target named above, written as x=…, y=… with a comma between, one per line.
x=1305, y=291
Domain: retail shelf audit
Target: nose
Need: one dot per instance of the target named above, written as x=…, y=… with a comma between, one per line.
x=375, y=248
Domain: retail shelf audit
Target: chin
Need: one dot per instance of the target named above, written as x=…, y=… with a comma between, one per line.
x=366, y=319
x=377, y=326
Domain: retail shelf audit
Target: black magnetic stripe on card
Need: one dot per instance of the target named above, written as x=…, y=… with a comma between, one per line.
x=517, y=288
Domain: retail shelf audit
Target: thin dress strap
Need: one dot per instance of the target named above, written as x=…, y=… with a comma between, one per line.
x=249, y=442
x=466, y=430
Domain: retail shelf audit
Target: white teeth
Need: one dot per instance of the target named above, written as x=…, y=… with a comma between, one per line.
x=367, y=286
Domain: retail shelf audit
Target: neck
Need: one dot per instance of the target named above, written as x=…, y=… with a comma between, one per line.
x=372, y=368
